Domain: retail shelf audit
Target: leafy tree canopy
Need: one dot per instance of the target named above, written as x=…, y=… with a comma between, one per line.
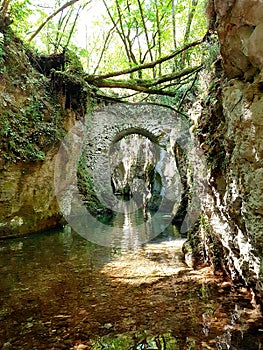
x=130, y=49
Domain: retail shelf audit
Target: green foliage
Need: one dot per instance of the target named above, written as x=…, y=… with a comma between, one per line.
x=139, y=341
x=20, y=12
x=149, y=35
x=28, y=114
x=137, y=36
x=114, y=35
x=24, y=134
x=73, y=62
x=211, y=51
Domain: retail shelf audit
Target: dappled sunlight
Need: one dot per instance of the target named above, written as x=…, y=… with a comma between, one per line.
x=73, y=294
x=152, y=262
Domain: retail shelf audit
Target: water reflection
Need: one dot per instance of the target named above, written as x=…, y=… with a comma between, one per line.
x=135, y=223
x=129, y=216
x=60, y=291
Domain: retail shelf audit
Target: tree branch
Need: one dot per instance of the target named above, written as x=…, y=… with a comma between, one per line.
x=173, y=76
x=103, y=49
x=145, y=29
x=191, y=14
x=132, y=85
x=4, y=8
x=120, y=32
x=186, y=92
x=143, y=84
x=146, y=65
x=4, y=19
x=69, y=3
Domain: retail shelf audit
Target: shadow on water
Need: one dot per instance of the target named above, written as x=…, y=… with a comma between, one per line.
x=60, y=291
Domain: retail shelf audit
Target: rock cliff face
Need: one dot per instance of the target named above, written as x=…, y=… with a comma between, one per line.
x=35, y=113
x=233, y=132
x=239, y=27
x=27, y=201
x=131, y=161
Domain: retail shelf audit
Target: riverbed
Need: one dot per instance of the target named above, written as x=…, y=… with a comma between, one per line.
x=60, y=291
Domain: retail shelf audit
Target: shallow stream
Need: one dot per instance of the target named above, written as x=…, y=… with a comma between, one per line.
x=60, y=291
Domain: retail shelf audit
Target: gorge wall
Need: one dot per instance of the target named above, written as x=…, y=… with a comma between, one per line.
x=35, y=113
x=231, y=133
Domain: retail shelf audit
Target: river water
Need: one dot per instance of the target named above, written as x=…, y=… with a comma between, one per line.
x=60, y=291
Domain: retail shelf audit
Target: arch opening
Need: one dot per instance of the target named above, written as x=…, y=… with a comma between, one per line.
x=135, y=131
x=133, y=160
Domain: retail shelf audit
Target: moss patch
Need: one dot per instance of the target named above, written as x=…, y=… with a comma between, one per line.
x=30, y=117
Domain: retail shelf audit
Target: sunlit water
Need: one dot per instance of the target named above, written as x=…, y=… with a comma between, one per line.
x=60, y=291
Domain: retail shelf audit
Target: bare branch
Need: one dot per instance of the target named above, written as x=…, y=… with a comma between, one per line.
x=69, y=3
x=120, y=32
x=59, y=37
x=175, y=75
x=190, y=20
x=191, y=14
x=159, y=37
x=4, y=8
x=105, y=45
x=145, y=29
x=81, y=7
x=186, y=92
x=174, y=23
x=4, y=18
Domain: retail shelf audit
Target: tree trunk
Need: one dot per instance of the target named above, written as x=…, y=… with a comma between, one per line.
x=4, y=18
x=188, y=29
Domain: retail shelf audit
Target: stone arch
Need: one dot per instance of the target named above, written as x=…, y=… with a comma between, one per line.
x=140, y=131
x=93, y=140
x=108, y=125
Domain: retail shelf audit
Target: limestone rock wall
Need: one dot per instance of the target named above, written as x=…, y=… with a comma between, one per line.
x=234, y=132
x=27, y=201
x=35, y=113
x=130, y=161
x=239, y=24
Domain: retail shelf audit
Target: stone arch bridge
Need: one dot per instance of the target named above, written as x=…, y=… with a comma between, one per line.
x=107, y=126
x=102, y=129
x=110, y=124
